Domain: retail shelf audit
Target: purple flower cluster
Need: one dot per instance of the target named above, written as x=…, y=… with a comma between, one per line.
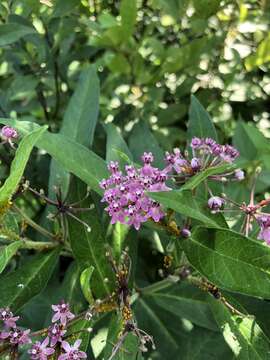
x=215, y=203
x=56, y=332
x=208, y=146
x=206, y=153
x=42, y=350
x=264, y=223
x=126, y=195
x=11, y=333
x=8, y=134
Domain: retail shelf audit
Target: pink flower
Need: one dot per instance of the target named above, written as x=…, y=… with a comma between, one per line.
x=8, y=133
x=72, y=352
x=264, y=222
x=215, y=203
x=126, y=195
x=16, y=336
x=41, y=351
x=62, y=313
x=56, y=333
x=7, y=317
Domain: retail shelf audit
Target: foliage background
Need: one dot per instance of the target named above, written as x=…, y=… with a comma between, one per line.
x=142, y=60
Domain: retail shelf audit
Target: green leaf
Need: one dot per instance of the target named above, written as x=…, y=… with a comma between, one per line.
x=79, y=123
x=74, y=157
x=78, y=330
x=10, y=33
x=185, y=301
x=203, y=175
x=128, y=12
x=174, y=335
x=200, y=123
x=70, y=289
x=19, y=163
x=129, y=350
x=261, y=56
x=183, y=202
x=119, y=234
x=230, y=261
x=242, y=334
x=19, y=287
x=205, y=8
x=116, y=145
x=141, y=140
x=63, y=7
x=7, y=252
x=89, y=247
x=85, y=279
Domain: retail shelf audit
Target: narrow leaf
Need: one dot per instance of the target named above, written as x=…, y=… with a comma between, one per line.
x=200, y=123
x=184, y=300
x=10, y=33
x=116, y=145
x=7, y=252
x=79, y=123
x=89, y=246
x=230, y=261
x=203, y=175
x=128, y=12
x=242, y=334
x=141, y=140
x=19, y=163
x=184, y=203
x=74, y=157
x=85, y=279
x=19, y=287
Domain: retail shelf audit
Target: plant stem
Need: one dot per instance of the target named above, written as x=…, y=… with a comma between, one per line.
x=38, y=245
x=161, y=285
x=33, y=224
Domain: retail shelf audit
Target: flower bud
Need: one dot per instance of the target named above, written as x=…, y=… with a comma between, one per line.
x=215, y=203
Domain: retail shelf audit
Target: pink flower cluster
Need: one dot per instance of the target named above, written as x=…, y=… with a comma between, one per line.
x=13, y=335
x=56, y=332
x=126, y=195
x=264, y=223
x=8, y=134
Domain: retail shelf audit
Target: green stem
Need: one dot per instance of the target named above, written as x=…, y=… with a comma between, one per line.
x=38, y=245
x=161, y=285
x=33, y=224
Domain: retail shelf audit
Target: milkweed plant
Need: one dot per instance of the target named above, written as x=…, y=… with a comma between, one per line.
x=113, y=246
x=212, y=244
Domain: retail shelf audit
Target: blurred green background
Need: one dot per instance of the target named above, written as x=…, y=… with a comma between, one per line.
x=151, y=55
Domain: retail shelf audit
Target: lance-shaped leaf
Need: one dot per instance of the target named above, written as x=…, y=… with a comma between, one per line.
x=74, y=157
x=130, y=347
x=200, y=123
x=7, y=252
x=141, y=140
x=85, y=279
x=186, y=301
x=183, y=202
x=116, y=146
x=89, y=246
x=203, y=175
x=230, y=261
x=19, y=287
x=242, y=334
x=10, y=33
x=19, y=163
x=174, y=335
x=79, y=122
x=128, y=12
x=78, y=330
